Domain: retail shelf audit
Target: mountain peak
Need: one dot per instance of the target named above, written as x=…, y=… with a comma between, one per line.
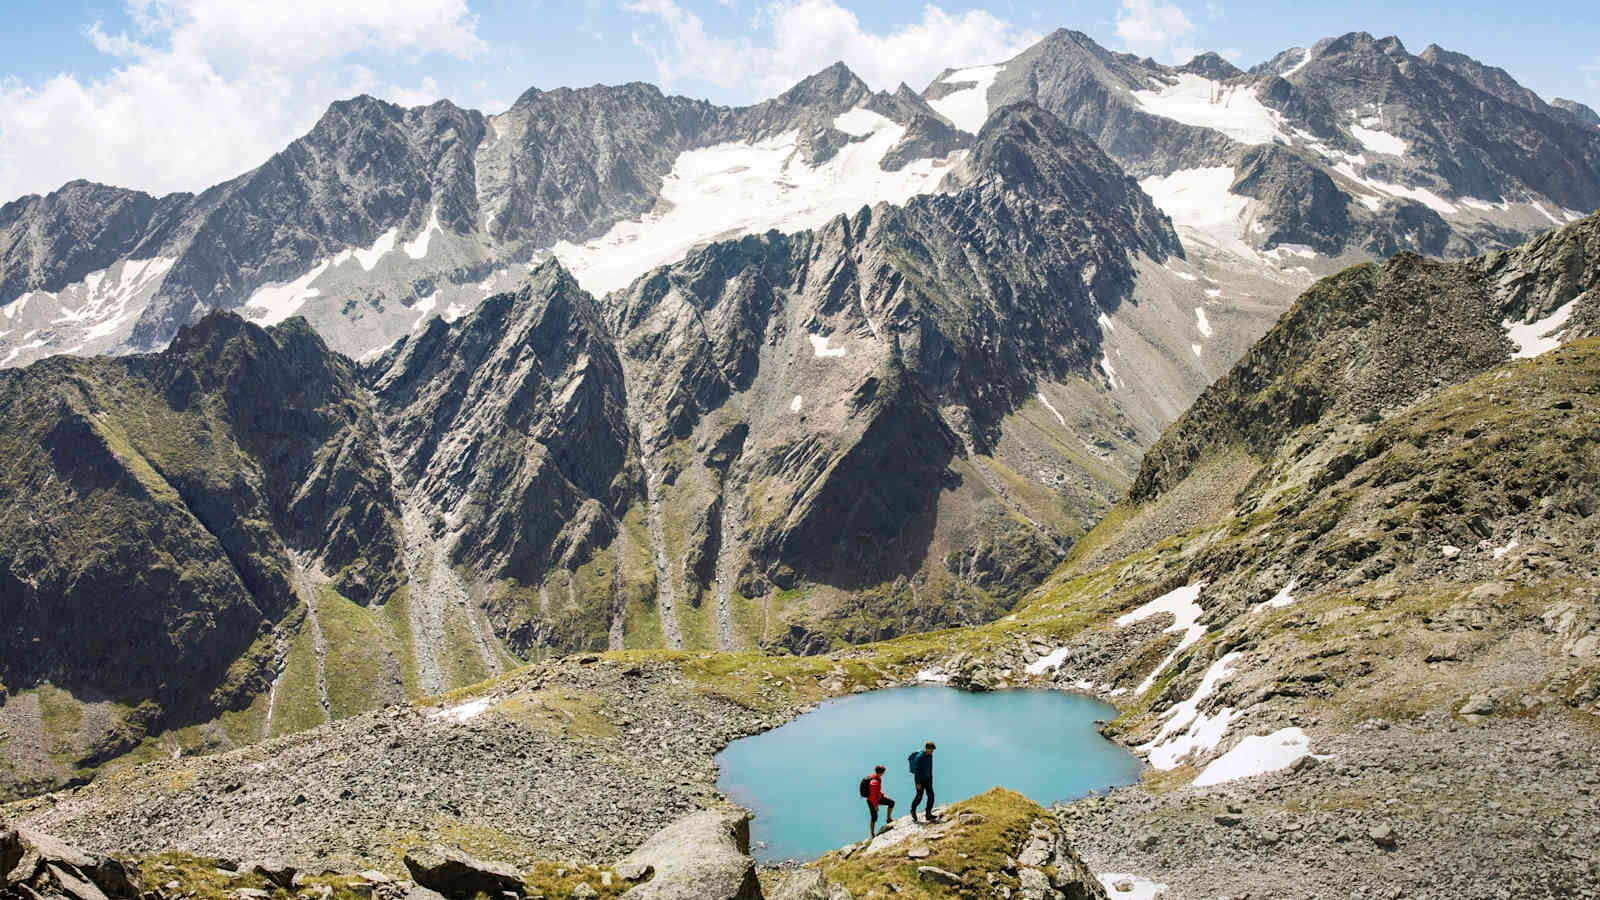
x=1211, y=65
x=834, y=84
x=1579, y=110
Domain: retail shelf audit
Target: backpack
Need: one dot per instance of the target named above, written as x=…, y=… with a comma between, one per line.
x=911, y=761
x=866, y=788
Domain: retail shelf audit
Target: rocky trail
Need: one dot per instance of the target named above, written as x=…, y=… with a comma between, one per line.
x=727, y=570
x=424, y=615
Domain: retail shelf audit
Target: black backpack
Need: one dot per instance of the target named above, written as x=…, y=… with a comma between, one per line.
x=866, y=789
x=911, y=761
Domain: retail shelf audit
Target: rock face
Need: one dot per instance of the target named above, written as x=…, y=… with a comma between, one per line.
x=191, y=486
x=379, y=213
x=37, y=865
x=703, y=856
x=1348, y=131
x=904, y=336
x=460, y=876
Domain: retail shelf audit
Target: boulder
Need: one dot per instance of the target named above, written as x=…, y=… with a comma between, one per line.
x=702, y=856
x=1383, y=836
x=634, y=871
x=32, y=863
x=1478, y=705
x=458, y=875
x=1033, y=884
x=275, y=871
x=802, y=884
x=936, y=875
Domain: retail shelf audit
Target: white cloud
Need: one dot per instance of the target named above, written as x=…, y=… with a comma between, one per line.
x=796, y=38
x=208, y=89
x=1156, y=29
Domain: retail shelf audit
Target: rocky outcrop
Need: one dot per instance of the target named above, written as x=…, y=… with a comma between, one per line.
x=35, y=865
x=460, y=876
x=702, y=856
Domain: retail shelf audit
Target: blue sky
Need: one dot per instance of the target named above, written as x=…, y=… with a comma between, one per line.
x=167, y=95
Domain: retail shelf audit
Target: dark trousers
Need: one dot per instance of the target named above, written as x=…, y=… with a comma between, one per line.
x=921, y=787
x=872, y=812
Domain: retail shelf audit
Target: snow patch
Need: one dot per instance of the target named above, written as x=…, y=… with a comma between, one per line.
x=1050, y=406
x=743, y=188
x=1105, y=323
x=967, y=108
x=1190, y=730
x=1199, y=199
x=1379, y=141
x=1048, y=663
x=272, y=303
x=465, y=711
x=369, y=257
x=1201, y=322
x=819, y=346
x=1111, y=373
x=1284, y=597
x=1213, y=293
x=1306, y=58
x=1534, y=338
x=1257, y=755
x=1500, y=552
x=1138, y=888
x=1195, y=349
x=796, y=403
x=1185, y=611
x=417, y=247
x=1233, y=110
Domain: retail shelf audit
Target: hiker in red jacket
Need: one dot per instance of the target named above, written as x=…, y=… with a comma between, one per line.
x=875, y=798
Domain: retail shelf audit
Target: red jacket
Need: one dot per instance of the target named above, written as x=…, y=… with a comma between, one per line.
x=874, y=790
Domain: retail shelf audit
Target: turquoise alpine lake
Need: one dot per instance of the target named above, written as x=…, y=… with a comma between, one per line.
x=802, y=780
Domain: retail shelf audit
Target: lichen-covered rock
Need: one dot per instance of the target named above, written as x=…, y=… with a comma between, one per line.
x=702, y=856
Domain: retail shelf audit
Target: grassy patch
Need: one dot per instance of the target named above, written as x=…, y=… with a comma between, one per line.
x=358, y=649
x=199, y=878
x=299, y=706
x=562, y=711
x=397, y=613
x=986, y=831
x=60, y=714
x=459, y=657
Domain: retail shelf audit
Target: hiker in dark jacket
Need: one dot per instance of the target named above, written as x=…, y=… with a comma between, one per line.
x=922, y=771
x=876, y=798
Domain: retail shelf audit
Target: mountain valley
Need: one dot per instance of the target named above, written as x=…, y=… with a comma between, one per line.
x=468, y=482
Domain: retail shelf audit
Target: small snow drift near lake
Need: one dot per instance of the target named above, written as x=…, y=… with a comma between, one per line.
x=1137, y=888
x=1190, y=730
x=464, y=712
x=1181, y=604
x=1257, y=755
